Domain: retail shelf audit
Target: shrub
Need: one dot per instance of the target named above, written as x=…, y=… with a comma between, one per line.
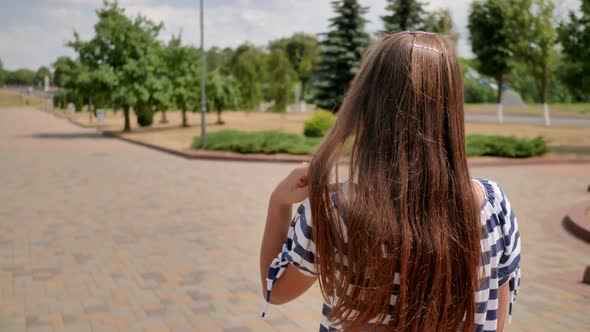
x=502, y=146
x=267, y=142
x=318, y=124
x=477, y=93
x=271, y=142
x=145, y=116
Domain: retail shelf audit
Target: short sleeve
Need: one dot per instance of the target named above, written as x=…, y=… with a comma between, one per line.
x=509, y=262
x=298, y=250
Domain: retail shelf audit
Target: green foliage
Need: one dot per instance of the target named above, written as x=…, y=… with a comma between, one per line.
x=2, y=74
x=59, y=100
x=182, y=65
x=303, y=53
x=574, y=35
x=272, y=142
x=281, y=77
x=477, y=93
x=403, y=15
x=441, y=22
x=21, y=76
x=248, y=67
x=341, y=52
x=491, y=38
x=41, y=73
x=144, y=113
x=222, y=92
x=267, y=142
x=502, y=146
x=65, y=71
x=535, y=40
x=318, y=124
x=126, y=48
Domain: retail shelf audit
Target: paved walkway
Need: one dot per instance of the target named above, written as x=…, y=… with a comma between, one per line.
x=100, y=235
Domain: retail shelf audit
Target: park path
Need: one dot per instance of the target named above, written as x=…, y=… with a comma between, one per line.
x=100, y=235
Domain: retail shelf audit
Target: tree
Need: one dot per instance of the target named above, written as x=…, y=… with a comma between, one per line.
x=281, y=79
x=441, y=22
x=21, y=76
x=127, y=46
x=491, y=41
x=182, y=63
x=574, y=36
x=537, y=45
x=40, y=75
x=403, y=15
x=248, y=67
x=2, y=74
x=341, y=52
x=222, y=93
x=64, y=71
x=303, y=53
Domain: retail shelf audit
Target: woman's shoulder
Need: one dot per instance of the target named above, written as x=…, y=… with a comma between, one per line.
x=493, y=193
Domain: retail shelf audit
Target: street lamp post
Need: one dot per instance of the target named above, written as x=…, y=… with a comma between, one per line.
x=203, y=100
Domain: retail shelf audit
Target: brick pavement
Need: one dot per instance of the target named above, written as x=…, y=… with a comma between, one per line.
x=100, y=235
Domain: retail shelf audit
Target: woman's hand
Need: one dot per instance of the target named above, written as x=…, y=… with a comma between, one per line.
x=294, y=188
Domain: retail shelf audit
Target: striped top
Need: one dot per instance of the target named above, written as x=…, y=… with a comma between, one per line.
x=500, y=245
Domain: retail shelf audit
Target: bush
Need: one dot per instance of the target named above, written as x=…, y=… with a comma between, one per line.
x=145, y=116
x=318, y=124
x=271, y=142
x=477, y=93
x=502, y=146
x=267, y=142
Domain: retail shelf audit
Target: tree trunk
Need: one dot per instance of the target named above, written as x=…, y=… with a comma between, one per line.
x=544, y=81
x=164, y=119
x=499, y=110
x=127, y=122
x=184, y=121
x=219, y=121
x=89, y=110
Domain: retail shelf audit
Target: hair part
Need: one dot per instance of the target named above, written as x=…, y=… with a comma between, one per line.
x=410, y=210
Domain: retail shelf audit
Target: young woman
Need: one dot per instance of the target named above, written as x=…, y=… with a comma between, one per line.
x=409, y=242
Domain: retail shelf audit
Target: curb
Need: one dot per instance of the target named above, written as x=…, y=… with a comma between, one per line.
x=574, y=223
x=211, y=155
x=285, y=158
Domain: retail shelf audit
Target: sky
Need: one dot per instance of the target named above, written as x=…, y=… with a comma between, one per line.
x=33, y=32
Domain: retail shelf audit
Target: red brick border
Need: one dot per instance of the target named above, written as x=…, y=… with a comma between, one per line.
x=285, y=158
x=575, y=222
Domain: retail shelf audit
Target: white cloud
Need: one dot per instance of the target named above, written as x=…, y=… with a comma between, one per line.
x=39, y=38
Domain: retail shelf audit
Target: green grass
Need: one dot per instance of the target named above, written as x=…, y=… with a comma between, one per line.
x=267, y=142
x=272, y=142
x=502, y=146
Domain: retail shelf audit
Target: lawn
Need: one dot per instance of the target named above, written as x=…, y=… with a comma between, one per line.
x=171, y=135
x=13, y=99
x=579, y=109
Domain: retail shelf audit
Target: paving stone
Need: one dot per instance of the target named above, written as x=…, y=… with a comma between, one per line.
x=100, y=235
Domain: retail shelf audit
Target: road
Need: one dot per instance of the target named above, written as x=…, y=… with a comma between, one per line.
x=527, y=119
x=100, y=235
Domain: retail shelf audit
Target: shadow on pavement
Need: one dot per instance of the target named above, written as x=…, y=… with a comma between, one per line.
x=68, y=136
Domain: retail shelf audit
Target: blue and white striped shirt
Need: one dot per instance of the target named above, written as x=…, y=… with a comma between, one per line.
x=500, y=245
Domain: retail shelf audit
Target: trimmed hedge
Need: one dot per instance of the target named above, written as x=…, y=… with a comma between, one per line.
x=267, y=142
x=502, y=146
x=271, y=142
x=318, y=124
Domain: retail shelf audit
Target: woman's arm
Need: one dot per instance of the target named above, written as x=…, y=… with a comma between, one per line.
x=291, y=190
x=503, y=294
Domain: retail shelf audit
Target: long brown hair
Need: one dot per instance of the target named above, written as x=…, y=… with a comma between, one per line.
x=411, y=213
